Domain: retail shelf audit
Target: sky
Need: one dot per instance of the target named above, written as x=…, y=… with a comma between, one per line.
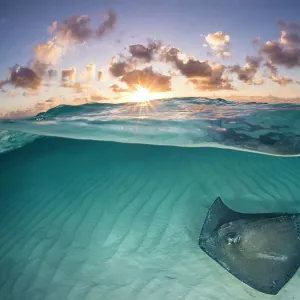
x=73, y=52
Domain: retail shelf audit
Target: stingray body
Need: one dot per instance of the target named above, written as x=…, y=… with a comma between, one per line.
x=262, y=250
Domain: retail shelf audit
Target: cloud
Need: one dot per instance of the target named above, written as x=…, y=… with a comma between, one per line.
x=52, y=73
x=30, y=92
x=45, y=105
x=78, y=87
x=256, y=41
x=286, y=50
x=147, y=78
x=145, y=53
x=259, y=81
x=68, y=74
x=289, y=39
x=118, y=89
x=249, y=70
x=96, y=98
x=188, y=66
x=110, y=19
x=202, y=74
x=74, y=30
x=24, y=78
x=77, y=29
x=283, y=81
x=288, y=25
x=39, y=68
x=219, y=42
x=48, y=53
x=119, y=68
x=89, y=72
x=272, y=74
x=2, y=83
x=271, y=69
x=99, y=75
x=45, y=56
x=216, y=80
x=17, y=114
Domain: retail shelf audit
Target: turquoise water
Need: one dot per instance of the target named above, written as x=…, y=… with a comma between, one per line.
x=83, y=216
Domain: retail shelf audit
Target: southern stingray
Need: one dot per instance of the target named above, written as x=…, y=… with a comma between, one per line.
x=262, y=250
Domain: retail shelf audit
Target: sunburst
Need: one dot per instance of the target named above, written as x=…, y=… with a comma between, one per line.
x=141, y=95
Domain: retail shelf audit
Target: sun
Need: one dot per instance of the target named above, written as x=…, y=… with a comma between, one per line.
x=141, y=95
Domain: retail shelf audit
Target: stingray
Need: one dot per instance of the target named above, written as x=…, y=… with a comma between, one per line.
x=261, y=250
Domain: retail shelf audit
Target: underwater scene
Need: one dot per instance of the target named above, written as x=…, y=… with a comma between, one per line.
x=108, y=201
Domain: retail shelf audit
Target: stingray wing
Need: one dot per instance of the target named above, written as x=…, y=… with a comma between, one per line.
x=266, y=253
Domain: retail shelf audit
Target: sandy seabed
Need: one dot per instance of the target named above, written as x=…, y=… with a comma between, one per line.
x=85, y=220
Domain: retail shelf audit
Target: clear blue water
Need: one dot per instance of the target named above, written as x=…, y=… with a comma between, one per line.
x=83, y=216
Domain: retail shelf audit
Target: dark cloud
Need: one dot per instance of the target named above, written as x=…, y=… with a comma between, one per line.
x=72, y=31
x=3, y=83
x=145, y=53
x=290, y=39
x=147, y=78
x=108, y=24
x=216, y=80
x=68, y=75
x=272, y=73
x=200, y=73
x=271, y=69
x=117, y=89
x=283, y=81
x=78, y=29
x=286, y=50
x=119, y=68
x=24, y=78
x=249, y=70
x=279, y=55
x=188, y=66
x=288, y=25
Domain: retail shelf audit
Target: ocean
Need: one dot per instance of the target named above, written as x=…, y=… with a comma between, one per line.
x=107, y=201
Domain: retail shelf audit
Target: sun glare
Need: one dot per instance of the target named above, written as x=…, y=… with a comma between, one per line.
x=140, y=95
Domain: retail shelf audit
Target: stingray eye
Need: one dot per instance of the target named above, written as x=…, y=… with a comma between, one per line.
x=232, y=238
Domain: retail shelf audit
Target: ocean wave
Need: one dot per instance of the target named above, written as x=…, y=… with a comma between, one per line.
x=187, y=122
x=10, y=140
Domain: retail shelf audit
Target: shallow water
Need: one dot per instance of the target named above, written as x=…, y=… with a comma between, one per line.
x=82, y=219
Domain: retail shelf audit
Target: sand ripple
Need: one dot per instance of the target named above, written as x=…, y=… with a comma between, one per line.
x=94, y=220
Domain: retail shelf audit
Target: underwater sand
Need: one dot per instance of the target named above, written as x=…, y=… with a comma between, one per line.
x=85, y=220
